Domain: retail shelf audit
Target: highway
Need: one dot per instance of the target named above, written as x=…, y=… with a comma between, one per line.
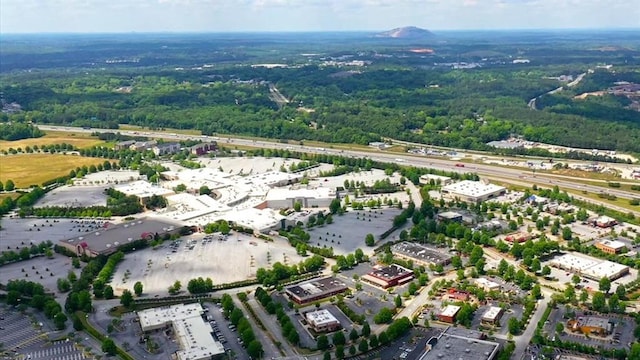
x=487, y=171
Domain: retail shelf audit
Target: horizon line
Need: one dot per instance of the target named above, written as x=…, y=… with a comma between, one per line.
x=193, y=32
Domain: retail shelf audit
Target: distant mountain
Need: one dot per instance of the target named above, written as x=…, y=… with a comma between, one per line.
x=407, y=32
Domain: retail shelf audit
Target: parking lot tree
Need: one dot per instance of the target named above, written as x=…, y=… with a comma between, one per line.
x=614, y=304
x=503, y=265
x=353, y=335
x=326, y=356
x=126, y=299
x=559, y=327
x=352, y=350
x=175, y=288
x=366, y=330
x=584, y=296
x=235, y=316
x=373, y=341
x=339, y=351
x=567, y=234
x=570, y=293
x=109, y=347
x=546, y=270
x=60, y=320
x=63, y=285
x=634, y=353
x=621, y=291
x=598, y=302
x=479, y=265
x=137, y=288
x=338, y=339
x=604, y=285
x=75, y=262
x=363, y=347
x=513, y=325
x=369, y=240
x=297, y=206
x=107, y=292
x=322, y=343
x=398, y=301
x=536, y=292
x=359, y=255
x=575, y=279
x=334, y=206
x=535, y=265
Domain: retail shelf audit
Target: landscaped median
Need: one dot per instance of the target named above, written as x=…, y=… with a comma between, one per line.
x=82, y=316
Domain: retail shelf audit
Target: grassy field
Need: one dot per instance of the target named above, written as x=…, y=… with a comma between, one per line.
x=80, y=140
x=8, y=195
x=34, y=169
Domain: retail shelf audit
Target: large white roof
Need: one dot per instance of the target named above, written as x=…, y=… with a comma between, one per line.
x=450, y=310
x=308, y=193
x=192, y=332
x=321, y=317
x=142, y=189
x=472, y=188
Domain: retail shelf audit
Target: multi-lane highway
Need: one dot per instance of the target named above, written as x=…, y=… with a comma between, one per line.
x=487, y=171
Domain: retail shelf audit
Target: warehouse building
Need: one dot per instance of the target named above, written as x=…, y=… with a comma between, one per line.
x=314, y=290
x=461, y=344
x=420, y=254
x=107, y=240
x=192, y=332
x=322, y=321
x=590, y=267
x=388, y=276
x=451, y=216
x=611, y=246
x=492, y=316
x=472, y=191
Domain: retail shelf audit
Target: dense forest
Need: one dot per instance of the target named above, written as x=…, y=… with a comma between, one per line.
x=392, y=93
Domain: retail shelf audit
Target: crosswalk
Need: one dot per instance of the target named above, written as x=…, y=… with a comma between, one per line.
x=59, y=350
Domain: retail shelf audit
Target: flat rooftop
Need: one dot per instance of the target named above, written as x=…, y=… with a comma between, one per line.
x=142, y=189
x=461, y=347
x=614, y=244
x=590, y=267
x=316, y=288
x=472, y=188
x=421, y=252
x=492, y=313
x=112, y=236
x=593, y=321
x=450, y=310
x=192, y=332
x=321, y=317
x=300, y=193
x=390, y=272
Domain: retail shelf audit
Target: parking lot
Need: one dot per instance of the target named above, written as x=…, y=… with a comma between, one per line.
x=621, y=337
x=225, y=332
x=40, y=269
x=348, y=232
x=17, y=233
x=17, y=333
x=75, y=196
x=233, y=259
x=58, y=350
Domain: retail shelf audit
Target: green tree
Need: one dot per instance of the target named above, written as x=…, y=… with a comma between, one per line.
x=137, y=288
x=339, y=351
x=584, y=296
x=204, y=190
x=398, y=301
x=546, y=270
x=575, y=279
x=373, y=341
x=614, y=304
x=353, y=335
x=75, y=262
x=109, y=347
x=456, y=262
x=335, y=205
x=322, y=343
x=598, y=301
x=254, y=349
x=567, y=234
x=9, y=186
x=366, y=330
x=60, y=320
x=352, y=350
x=107, y=292
x=559, y=328
x=126, y=299
x=604, y=285
x=369, y=240
x=363, y=347
x=338, y=338
x=621, y=291
x=326, y=356
x=634, y=353
x=514, y=326
x=297, y=206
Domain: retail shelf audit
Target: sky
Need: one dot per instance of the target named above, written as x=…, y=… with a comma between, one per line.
x=123, y=16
